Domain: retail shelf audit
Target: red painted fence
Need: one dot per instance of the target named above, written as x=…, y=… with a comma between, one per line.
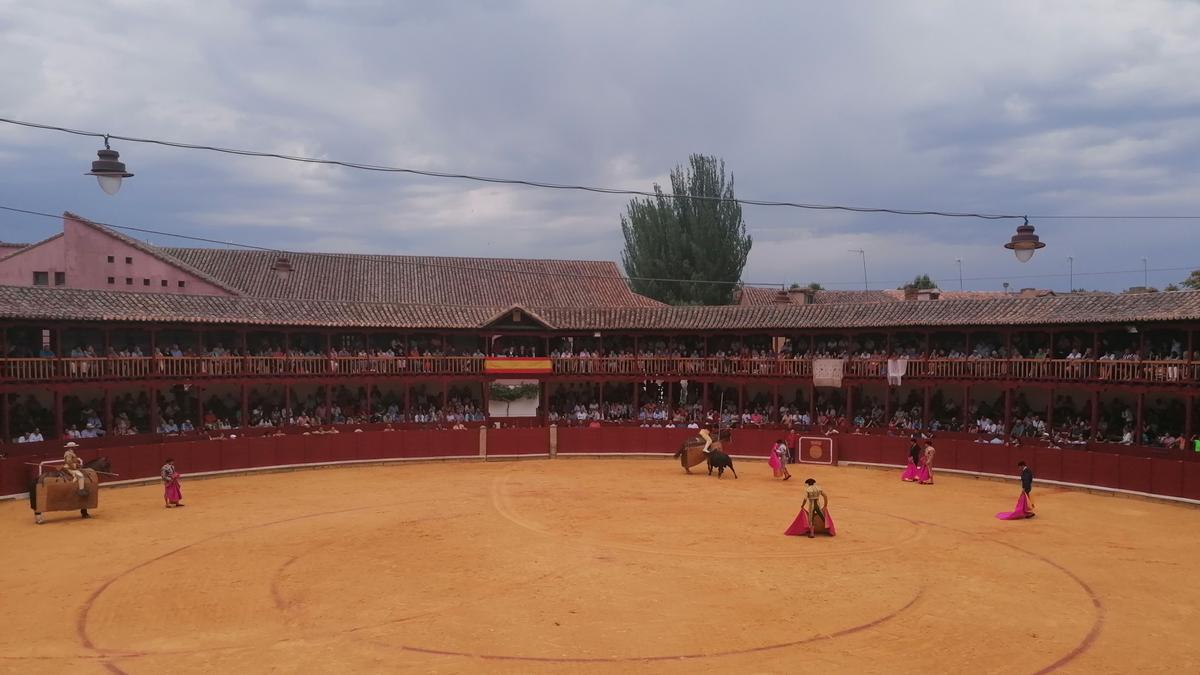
x=1114, y=467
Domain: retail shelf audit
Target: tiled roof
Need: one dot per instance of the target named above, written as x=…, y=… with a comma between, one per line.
x=79, y=305
x=418, y=279
x=9, y=244
x=152, y=251
x=756, y=295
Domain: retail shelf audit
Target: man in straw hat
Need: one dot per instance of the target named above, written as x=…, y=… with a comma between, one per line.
x=73, y=466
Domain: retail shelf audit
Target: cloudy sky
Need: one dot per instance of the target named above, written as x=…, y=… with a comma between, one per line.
x=1045, y=108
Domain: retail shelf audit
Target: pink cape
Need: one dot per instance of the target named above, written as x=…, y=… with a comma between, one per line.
x=1020, y=511
x=171, y=490
x=800, y=526
x=924, y=475
x=910, y=472
x=773, y=462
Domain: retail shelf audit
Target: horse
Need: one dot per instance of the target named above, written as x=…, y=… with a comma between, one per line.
x=720, y=461
x=55, y=490
x=692, y=452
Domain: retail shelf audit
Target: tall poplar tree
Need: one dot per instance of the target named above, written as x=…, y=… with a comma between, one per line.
x=675, y=237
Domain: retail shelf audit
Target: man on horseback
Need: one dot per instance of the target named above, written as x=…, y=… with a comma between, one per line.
x=73, y=467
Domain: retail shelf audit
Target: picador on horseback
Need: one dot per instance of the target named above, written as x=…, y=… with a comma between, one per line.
x=74, y=485
x=704, y=448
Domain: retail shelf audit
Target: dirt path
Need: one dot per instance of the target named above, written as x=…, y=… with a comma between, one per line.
x=604, y=566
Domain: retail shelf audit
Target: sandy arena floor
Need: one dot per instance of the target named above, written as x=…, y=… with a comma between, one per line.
x=596, y=566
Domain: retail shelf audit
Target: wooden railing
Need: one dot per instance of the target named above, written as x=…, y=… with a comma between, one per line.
x=202, y=367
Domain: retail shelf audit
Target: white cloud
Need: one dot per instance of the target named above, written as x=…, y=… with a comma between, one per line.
x=1017, y=107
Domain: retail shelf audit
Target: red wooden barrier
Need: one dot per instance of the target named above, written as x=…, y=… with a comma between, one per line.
x=1191, y=480
x=1166, y=477
x=518, y=441
x=1106, y=469
x=1124, y=468
x=1134, y=473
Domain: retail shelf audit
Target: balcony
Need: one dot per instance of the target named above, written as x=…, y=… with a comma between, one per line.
x=20, y=371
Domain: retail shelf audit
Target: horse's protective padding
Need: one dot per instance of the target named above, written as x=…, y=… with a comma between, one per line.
x=55, y=493
x=694, y=454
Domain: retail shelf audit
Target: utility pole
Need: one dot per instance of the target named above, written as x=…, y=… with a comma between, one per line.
x=861, y=252
x=960, y=283
x=1145, y=274
x=1070, y=274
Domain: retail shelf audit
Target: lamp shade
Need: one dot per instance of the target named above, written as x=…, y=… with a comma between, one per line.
x=109, y=171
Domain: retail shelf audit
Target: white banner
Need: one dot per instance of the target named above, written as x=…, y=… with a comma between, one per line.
x=897, y=369
x=828, y=372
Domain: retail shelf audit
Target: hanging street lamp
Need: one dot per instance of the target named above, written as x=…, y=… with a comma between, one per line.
x=1024, y=243
x=109, y=170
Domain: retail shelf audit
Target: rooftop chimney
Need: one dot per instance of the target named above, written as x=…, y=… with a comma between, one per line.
x=910, y=293
x=782, y=298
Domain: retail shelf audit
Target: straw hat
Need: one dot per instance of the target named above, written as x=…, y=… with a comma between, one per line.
x=71, y=444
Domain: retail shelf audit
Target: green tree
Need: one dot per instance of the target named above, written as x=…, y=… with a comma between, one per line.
x=812, y=286
x=1192, y=282
x=694, y=240
x=921, y=282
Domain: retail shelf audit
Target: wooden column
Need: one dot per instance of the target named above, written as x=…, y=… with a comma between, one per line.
x=887, y=404
x=741, y=398
x=58, y=413
x=850, y=404
x=927, y=343
x=245, y=402
x=774, y=413
x=367, y=402
x=152, y=396
x=199, y=408
x=287, y=398
x=6, y=421
x=925, y=404
x=1050, y=411
x=705, y=404
x=812, y=403
x=1189, y=408
x=1138, y=420
x=1007, y=409
x=965, y=412
x=1095, y=344
x=485, y=395
x=1095, y=412
x=637, y=407
x=108, y=413
x=407, y=401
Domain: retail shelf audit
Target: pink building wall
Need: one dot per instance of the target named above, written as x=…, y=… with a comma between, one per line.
x=82, y=253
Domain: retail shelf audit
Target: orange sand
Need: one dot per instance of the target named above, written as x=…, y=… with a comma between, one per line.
x=596, y=566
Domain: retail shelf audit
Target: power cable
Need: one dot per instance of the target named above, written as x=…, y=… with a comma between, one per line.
x=510, y=181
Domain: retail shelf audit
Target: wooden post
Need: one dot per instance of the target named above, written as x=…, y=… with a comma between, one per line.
x=1050, y=411
x=812, y=403
x=850, y=403
x=965, y=411
x=6, y=421
x=1189, y=408
x=199, y=408
x=925, y=404
x=705, y=405
x=154, y=421
x=1096, y=344
x=927, y=343
x=741, y=398
x=245, y=403
x=58, y=413
x=108, y=413
x=1095, y=412
x=407, y=401
x=1137, y=429
x=367, y=402
x=774, y=413
x=1008, y=410
x=485, y=395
